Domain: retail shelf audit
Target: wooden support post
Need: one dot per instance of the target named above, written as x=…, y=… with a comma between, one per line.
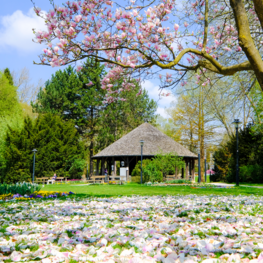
x=114, y=167
x=102, y=166
x=128, y=166
x=193, y=170
x=176, y=171
x=91, y=167
x=115, y=170
x=97, y=166
x=187, y=169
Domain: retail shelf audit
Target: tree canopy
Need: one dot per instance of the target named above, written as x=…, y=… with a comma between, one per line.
x=8, y=75
x=250, y=157
x=10, y=110
x=141, y=38
x=78, y=96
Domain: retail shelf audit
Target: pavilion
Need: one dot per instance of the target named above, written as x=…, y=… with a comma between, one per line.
x=128, y=150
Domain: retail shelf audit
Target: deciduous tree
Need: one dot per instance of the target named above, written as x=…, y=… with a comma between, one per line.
x=224, y=37
x=10, y=110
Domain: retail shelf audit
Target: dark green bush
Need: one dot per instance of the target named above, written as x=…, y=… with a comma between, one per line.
x=251, y=173
x=59, y=150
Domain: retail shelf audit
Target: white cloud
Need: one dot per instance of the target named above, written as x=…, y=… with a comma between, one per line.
x=154, y=93
x=16, y=31
x=162, y=112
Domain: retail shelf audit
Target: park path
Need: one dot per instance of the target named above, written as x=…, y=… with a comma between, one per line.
x=223, y=184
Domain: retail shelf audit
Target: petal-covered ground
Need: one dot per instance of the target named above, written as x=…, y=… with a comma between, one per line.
x=134, y=229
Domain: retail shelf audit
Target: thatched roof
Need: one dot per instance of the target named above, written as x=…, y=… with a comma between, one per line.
x=154, y=142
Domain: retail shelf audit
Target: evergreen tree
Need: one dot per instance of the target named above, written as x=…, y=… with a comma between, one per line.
x=58, y=145
x=119, y=118
x=250, y=149
x=9, y=76
x=72, y=96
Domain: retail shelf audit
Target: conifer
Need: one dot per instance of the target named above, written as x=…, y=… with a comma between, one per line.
x=58, y=149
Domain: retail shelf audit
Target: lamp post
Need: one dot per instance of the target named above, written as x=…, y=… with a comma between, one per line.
x=205, y=166
x=210, y=166
x=236, y=122
x=199, y=164
x=34, y=151
x=141, y=141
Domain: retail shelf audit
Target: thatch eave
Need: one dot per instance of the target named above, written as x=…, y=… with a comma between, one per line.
x=154, y=142
x=121, y=156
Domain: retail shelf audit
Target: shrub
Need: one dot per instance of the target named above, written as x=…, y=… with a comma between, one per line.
x=152, y=173
x=179, y=181
x=251, y=174
x=136, y=179
x=19, y=188
x=154, y=170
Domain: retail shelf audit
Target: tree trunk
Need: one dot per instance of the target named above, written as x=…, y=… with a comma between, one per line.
x=245, y=40
x=202, y=141
x=91, y=147
x=201, y=132
x=258, y=4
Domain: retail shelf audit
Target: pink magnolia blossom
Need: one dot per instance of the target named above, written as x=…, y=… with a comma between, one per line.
x=79, y=68
x=78, y=18
x=176, y=27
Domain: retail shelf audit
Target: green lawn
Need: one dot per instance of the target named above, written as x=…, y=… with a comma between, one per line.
x=136, y=189
x=251, y=184
x=207, y=178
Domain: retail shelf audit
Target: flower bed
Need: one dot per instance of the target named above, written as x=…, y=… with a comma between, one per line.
x=37, y=194
x=19, y=188
x=134, y=229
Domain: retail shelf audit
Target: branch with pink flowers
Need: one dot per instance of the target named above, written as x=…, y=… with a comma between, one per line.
x=137, y=39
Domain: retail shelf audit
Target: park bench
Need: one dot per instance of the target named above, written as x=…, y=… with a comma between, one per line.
x=42, y=180
x=170, y=177
x=60, y=179
x=96, y=179
x=116, y=178
x=47, y=180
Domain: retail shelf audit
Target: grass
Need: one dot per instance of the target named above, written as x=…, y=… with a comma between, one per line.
x=207, y=178
x=137, y=189
x=244, y=184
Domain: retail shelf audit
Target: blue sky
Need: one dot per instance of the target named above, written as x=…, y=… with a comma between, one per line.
x=17, y=50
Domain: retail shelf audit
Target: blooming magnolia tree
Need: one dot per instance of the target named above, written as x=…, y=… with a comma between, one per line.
x=141, y=38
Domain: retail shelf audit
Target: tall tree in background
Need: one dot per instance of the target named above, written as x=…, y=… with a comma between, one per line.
x=77, y=97
x=256, y=99
x=184, y=115
x=9, y=76
x=120, y=117
x=167, y=126
x=27, y=90
x=10, y=111
x=194, y=121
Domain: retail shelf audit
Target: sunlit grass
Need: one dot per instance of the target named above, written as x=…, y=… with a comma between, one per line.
x=137, y=189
